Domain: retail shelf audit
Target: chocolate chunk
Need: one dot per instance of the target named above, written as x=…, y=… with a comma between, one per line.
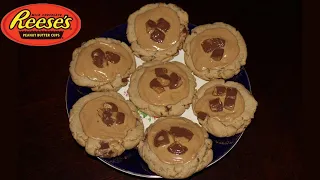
x=185, y=31
x=156, y=86
x=177, y=148
x=175, y=81
x=217, y=54
x=168, y=108
x=110, y=153
x=150, y=25
x=163, y=25
x=109, y=106
x=120, y=118
x=219, y=91
x=160, y=71
x=161, y=138
x=98, y=57
x=157, y=36
x=231, y=93
x=229, y=103
x=125, y=79
x=181, y=132
x=202, y=115
x=112, y=57
x=164, y=80
x=209, y=45
x=216, y=105
x=104, y=145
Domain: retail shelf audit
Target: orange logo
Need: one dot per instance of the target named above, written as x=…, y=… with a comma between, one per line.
x=41, y=24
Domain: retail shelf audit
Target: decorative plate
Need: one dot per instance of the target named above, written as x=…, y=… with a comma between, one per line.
x=130, y=162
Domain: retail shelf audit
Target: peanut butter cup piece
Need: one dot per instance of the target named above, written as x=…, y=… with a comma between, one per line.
x=150, y=25
x=160, y=71
x=177, y=148
x=112, y=57
x=164, y=80
x=157, y=36
x=216, y=105
x=98, y=57
x=219, y=91
x=231, y=93
x=156, y=86
x=175, y=81
x=229, y=103
x=109, y=106
x=161, y=138
x=181, y=132
x=210, y=45
x=107, y=118
x=217, y=54
x=163, y=25
x=120, y=118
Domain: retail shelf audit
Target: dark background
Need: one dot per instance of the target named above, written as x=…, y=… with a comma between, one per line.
x=269, y=149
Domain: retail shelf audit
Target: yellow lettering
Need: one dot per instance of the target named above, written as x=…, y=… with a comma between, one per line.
x=49, y=21
x=30, y=23
x=22, y=15
x=57, y=23
x=67, y=23
x=40, y=23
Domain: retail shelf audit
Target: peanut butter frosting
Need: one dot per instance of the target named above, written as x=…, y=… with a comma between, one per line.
x=103, y=61
x=221, y=51
x=158, y=28
x=163, y=95
x=175, y=140
x=106, y=117
x=217, y=103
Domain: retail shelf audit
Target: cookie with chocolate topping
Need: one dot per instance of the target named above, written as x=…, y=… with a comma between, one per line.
x=102, y=64
x=162, y=88
x=215, y=51
x=176, y=147
x=224, y=108
x=157, y=31
x=105, y=124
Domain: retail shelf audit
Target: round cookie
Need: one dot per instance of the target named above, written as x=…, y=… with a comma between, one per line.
x=162, y=88
x=157, y=31
x=224, y=108
x=105, y=124
x=102, y=64
x=176, y=148
x=215, y=51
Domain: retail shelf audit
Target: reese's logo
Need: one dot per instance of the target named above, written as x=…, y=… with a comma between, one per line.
x=41, y=24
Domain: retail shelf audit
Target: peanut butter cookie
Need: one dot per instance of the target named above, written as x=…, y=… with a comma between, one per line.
x=176, y=148
x=215, y=51
x=162, y=88
x=224, y=108
x=102, y=64
x=105, y=124
x=157, y=31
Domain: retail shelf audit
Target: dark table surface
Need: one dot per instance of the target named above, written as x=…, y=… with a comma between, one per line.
x=269, y=148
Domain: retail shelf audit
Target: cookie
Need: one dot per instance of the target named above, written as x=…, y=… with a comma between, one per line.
x=176, y=148
x=102, y=64
x=157, y=31
x=224, y=108
x=162, y=88
x=105, y=124
x=214, y=51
